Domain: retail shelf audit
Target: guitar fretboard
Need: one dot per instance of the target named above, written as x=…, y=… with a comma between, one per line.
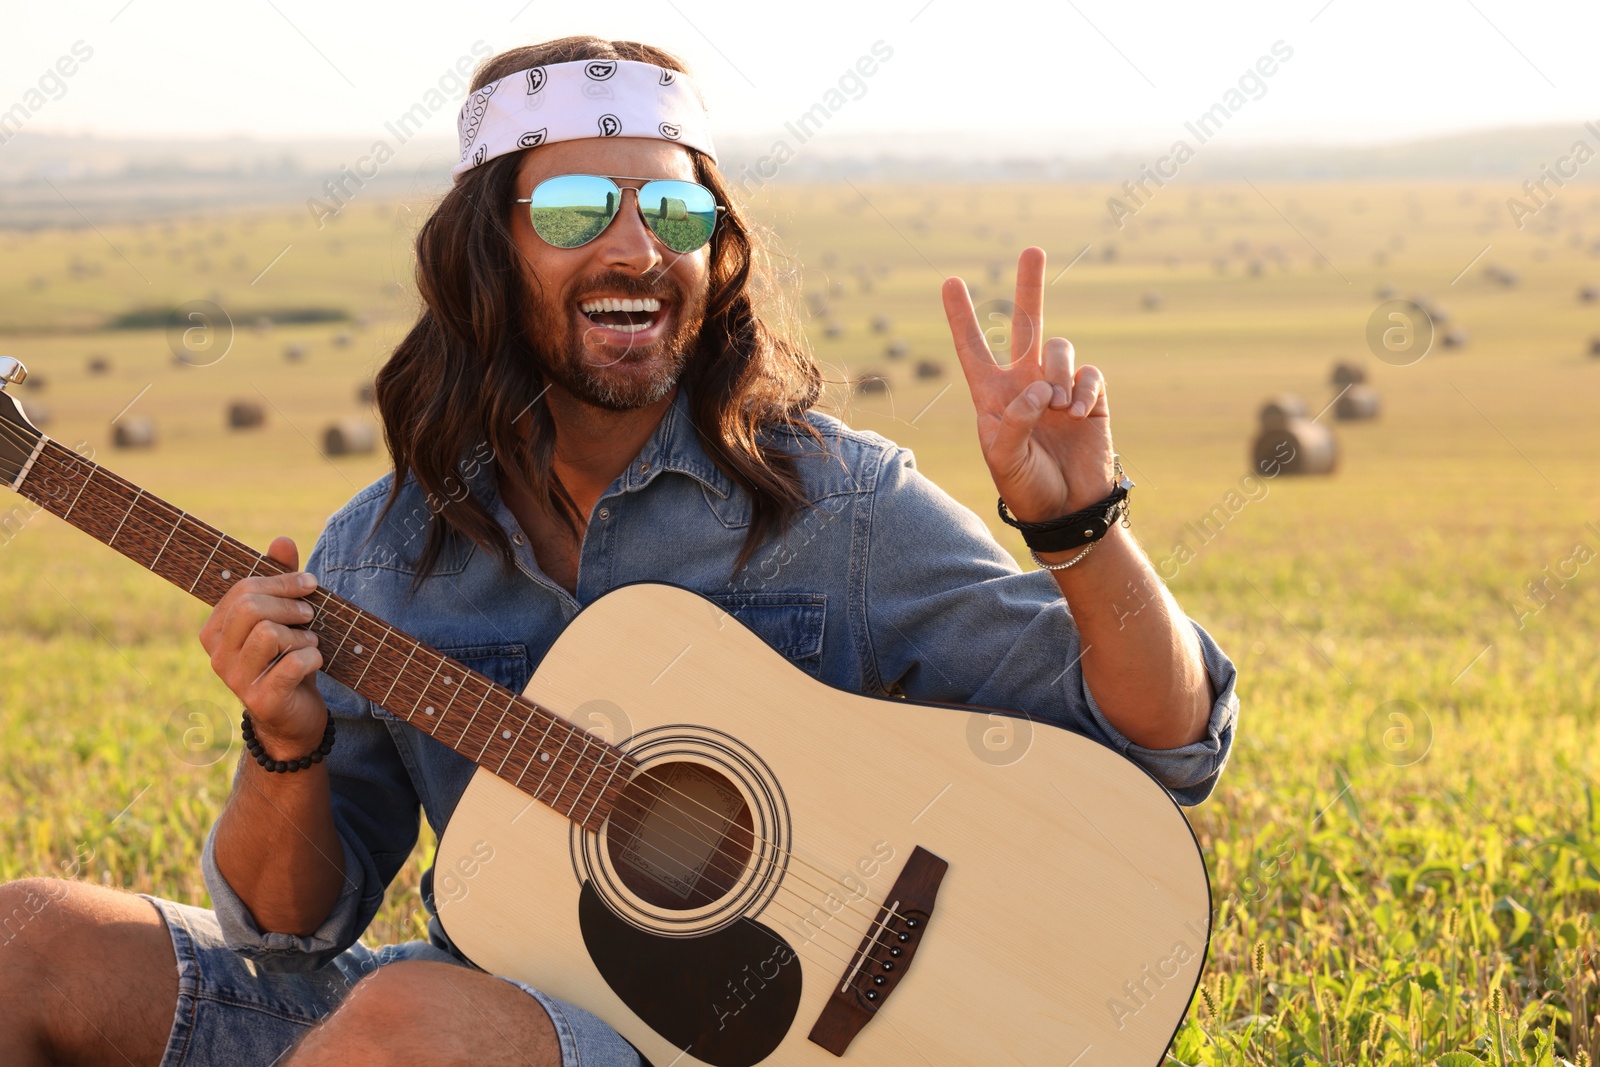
x=561, y=765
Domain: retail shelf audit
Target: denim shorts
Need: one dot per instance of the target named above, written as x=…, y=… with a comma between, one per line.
x=233, y=1014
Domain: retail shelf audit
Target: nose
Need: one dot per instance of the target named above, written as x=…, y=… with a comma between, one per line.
x=627, y=244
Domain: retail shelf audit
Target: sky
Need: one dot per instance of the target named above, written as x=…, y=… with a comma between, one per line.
x=1080, y=77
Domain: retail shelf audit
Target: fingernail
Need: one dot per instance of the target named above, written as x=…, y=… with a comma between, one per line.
x=307, y=581
x=1078, y=409
x=315, y=639
x=1058, y=396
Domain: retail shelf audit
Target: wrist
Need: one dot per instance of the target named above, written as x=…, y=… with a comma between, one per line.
x=282, y=754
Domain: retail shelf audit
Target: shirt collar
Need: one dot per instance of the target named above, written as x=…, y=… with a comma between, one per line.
x=675, y=446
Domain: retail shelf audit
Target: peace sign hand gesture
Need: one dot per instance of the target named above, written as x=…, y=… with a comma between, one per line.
x=1044, y=427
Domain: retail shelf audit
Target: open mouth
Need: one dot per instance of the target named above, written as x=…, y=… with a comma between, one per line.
x=625, y=316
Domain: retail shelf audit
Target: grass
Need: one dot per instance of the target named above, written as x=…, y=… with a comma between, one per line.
x=1403, y=850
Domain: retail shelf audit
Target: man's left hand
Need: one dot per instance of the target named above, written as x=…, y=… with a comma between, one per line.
x=1043, y=424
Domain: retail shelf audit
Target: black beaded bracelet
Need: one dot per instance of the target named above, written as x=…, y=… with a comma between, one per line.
x=247, y=730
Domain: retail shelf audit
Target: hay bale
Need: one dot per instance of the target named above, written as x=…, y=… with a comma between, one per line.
x=832, y=330
x=1296, y=447
x=1503, y=276
x=98, y=365
x=996, y=270
x=294, y=353
x=134, y=431
x=1386, y=292
x=872, y=382
x=897, y=349
x=1152, y=300
x=1356, y=403
x=1348, y=374
x=927, y=368
x=1589, y=294
x=36, y=383
x=349, y=437
x=1280, y=409
x=263, y=325
x=881, y=324
x=836, y=290
x=1594, y=347
x=673, y=208
x=1439, y=313
x=1455, y=337
x=367, y=393
x=341, y=340
x=246, y=415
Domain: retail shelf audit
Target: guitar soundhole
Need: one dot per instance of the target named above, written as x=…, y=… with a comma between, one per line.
x=681, y=836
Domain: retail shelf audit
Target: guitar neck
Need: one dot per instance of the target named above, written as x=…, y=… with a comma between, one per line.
x=561, y=765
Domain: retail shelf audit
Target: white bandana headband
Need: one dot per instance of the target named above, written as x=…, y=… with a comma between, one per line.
x=584, y=98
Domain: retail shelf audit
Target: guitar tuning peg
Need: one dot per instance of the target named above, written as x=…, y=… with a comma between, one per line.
x=12, y=372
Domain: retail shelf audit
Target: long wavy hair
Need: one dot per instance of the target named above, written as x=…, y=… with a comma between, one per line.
x=460, y=389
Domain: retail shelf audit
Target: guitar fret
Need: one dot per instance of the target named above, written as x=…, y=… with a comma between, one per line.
x=454, y=689
x=566, y=781
x=175, y=524
x=488, y=740
x=112, y=540
x=220, y=539
x=602, y=791
x=388, y=633
x=425, y=686
x=488, y=691
x=348, y=630
x=81, y=488
x=538, y=750
x=515, y=741
x=399, y=674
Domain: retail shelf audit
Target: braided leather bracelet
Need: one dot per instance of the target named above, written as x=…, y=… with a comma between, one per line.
x=247, y=730
x=1083, y=527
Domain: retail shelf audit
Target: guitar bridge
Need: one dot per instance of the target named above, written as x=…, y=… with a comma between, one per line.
x=885, y=953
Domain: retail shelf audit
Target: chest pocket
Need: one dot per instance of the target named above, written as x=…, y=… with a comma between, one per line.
x=790, y=623
x=506, y=664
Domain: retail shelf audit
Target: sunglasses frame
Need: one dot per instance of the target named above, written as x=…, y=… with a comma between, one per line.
x=717, y=213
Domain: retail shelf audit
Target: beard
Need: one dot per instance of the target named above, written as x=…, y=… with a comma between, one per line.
x=615, y=377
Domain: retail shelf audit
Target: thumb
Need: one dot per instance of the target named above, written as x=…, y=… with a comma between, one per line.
x=283, y=550
x=1010, y=443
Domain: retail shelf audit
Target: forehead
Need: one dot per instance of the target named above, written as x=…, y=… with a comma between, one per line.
x=644, y=157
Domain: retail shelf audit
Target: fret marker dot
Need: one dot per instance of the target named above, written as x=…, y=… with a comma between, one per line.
x=428, y=710
x=226, y=575
x=544, y=757
x=449, y=680
x=358, y=650
x=506, y=734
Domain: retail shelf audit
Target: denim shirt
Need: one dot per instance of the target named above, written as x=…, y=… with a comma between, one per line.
x=884, y=586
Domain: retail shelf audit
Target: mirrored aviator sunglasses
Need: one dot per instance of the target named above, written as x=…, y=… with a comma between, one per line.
x=570, y=210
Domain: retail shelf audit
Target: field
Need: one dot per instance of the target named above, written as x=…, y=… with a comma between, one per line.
x=1405, y=848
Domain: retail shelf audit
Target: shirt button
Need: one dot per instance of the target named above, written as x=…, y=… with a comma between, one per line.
x=605, y=513
x=518, y=539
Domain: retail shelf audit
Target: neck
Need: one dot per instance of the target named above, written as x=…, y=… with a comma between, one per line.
x=594, y=446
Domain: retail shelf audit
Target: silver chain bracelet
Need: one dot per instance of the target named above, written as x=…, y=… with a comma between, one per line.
x=1063, y=566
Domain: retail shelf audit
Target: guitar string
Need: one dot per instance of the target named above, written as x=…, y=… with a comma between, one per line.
x=331, y=609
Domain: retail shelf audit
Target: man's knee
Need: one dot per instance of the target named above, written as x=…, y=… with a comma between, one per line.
x=72, y=953
x=457, y=1015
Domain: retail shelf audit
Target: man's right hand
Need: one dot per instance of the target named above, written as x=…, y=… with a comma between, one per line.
x=256, y=622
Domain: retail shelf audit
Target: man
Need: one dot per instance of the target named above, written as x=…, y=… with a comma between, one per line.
x=591, y=398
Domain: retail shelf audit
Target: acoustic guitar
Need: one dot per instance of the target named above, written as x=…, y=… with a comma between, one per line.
x=765, y=870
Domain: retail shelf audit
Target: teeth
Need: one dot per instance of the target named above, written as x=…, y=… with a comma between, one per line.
x=611, y=303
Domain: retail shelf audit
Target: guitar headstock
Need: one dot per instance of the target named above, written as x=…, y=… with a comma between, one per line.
x=18, y=436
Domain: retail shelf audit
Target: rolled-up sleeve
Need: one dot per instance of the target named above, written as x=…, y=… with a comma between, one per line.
x=375, y=812
x=946, y=615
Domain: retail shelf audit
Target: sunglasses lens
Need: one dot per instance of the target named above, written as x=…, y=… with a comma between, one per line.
x=572, y=209
x=682, y=214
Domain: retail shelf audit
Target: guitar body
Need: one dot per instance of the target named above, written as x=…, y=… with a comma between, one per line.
x=1069, y=927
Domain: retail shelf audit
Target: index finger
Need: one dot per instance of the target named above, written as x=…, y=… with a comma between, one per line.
x=964, y=328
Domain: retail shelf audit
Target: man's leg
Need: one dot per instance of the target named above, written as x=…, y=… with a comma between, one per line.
x=87, y=976
x=447, y=1015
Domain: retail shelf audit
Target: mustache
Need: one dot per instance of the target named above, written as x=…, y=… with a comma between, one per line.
x=631, y=286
